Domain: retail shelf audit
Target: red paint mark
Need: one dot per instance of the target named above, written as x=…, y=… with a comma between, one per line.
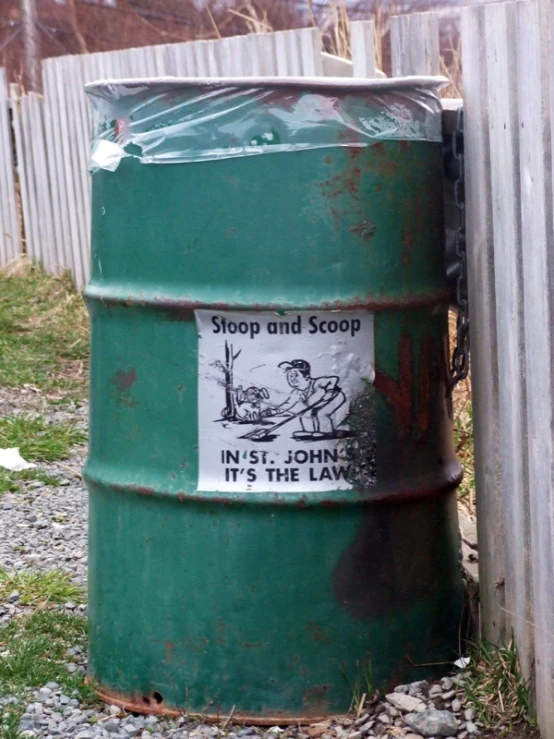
x=328, y=504
x=404, y=145
x=169, y=649
x=120, y=129
x=317, y=633
x=124, y=380
x=348, y=181
x=378, y=149
x=316, y=698
x=412, y=418
x=399, y=393
x=427, y=366
x=386, y=168
x=354, y=151
x=251, y=645
x=140, y=490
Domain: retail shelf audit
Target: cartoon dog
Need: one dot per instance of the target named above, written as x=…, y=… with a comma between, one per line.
x=250, y=402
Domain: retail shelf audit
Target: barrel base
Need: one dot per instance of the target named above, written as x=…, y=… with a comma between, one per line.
x=154, y=708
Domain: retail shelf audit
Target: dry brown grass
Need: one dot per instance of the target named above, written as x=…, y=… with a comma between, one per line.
x=333, y=20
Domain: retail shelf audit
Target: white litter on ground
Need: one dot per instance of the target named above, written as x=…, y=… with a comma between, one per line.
x=11, y=459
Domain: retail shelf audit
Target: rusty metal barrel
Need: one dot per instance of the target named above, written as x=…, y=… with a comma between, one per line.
x=273, y=523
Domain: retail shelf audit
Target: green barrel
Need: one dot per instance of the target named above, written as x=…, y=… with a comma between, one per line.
x=273, y=524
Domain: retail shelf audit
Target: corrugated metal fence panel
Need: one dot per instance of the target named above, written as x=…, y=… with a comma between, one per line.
x=10, y=241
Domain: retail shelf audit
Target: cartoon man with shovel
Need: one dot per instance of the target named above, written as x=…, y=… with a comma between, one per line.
x=314, y=401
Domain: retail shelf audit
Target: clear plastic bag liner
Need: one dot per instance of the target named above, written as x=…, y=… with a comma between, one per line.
x=168, y=122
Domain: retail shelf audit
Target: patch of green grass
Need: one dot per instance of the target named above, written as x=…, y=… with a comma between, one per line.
x=38, y=440
x=496, y=688
x=33, y=652
x=43, y=332
x=10, y=482
x=39, y=588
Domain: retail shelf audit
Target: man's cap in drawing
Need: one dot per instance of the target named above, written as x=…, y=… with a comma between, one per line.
x=299, y=364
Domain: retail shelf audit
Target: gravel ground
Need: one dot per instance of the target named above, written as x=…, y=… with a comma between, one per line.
x=45, y=527
x=411, y=711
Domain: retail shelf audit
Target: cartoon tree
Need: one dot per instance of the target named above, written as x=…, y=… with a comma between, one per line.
x=229, y=412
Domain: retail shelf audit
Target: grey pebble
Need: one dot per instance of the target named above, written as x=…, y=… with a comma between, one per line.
x=366, y=728
x=456, y=705
x=432, y=723
x=471, y=728
x=469, y=714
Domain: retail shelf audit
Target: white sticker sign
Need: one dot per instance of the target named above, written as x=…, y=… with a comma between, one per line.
x=274, y=397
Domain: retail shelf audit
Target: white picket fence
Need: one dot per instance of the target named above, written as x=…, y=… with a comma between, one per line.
x=509, y=106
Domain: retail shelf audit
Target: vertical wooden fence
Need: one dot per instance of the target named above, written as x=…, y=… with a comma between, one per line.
x=10, y=245
x=507, y=60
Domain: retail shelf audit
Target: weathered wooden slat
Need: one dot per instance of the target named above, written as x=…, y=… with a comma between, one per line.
x=362, y=43
x=52, y=159
x=309, y=41
x=72, y=204
x=484, y=342
x=534, y=54
x=10, y=242
x=500, y=31
x=74, y=98
x=43, y=189
x=24, y=189
x=415, y=48
x=32, y=231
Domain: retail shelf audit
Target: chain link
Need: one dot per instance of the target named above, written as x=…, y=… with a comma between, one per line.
x=460, y=355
